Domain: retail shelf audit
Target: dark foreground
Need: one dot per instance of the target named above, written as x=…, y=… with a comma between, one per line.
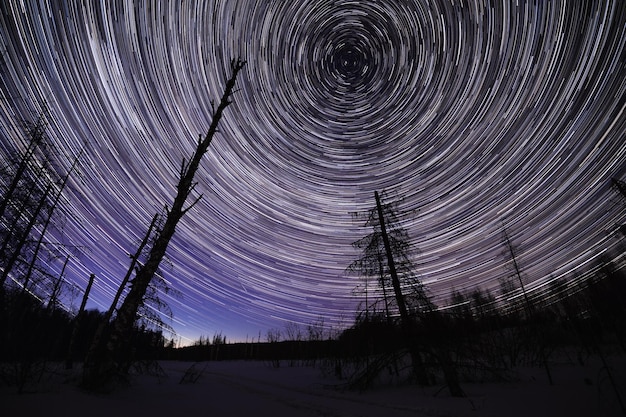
x=242, y=388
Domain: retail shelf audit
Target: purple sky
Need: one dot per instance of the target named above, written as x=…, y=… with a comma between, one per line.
x=473, y=112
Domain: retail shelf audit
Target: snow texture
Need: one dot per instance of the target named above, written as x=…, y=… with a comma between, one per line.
x=257, y=389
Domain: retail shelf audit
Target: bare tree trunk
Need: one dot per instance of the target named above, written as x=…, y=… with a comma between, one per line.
x=70, y=350
x=131, y=268
x=95, y=349
x=384, y=287
x=116, y=361
x=530, y=312
x=517, y=271
x=54, y=296
x=24, y=238
x=36, y=135
x=418, y=365
x=48, y=221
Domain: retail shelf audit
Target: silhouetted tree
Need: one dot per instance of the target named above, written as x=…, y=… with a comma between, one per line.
x=32, y=184
x=511, y=253
x=69, y=360
x=113, y=362
x=386, y=254
x=97, y=347
x=536, y=335
x=26, y=190
x=386, y=258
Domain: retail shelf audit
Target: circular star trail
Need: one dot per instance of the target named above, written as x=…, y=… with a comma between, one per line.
x=474, y=114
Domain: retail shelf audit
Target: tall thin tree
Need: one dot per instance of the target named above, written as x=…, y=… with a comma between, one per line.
x=48, y=220
x=36, y=136
x=382, y=251
x=69, y=359
x=115, y=361
x=512, y=253
x=96, y=346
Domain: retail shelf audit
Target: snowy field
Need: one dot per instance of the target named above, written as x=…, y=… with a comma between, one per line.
x=256, y=389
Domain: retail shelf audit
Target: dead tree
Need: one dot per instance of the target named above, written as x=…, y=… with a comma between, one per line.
x=36, y=135
x=57, y=285
x=102, y=370
x=96, y=346
x=70, y=350
x=516, y=269
x=387, y=254
x=32, y=186
x=32, y=193
x=49, y=216
x=536, y=328
x=395, y=281
x=382, y=250
x=443, y=355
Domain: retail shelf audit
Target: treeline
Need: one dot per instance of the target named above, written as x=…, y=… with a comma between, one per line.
x=290, y=352
x=586, y=315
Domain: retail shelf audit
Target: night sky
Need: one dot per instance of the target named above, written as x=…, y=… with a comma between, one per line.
x=473, y=113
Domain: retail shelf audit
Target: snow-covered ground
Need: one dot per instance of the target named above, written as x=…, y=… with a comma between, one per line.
x=256, y=389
